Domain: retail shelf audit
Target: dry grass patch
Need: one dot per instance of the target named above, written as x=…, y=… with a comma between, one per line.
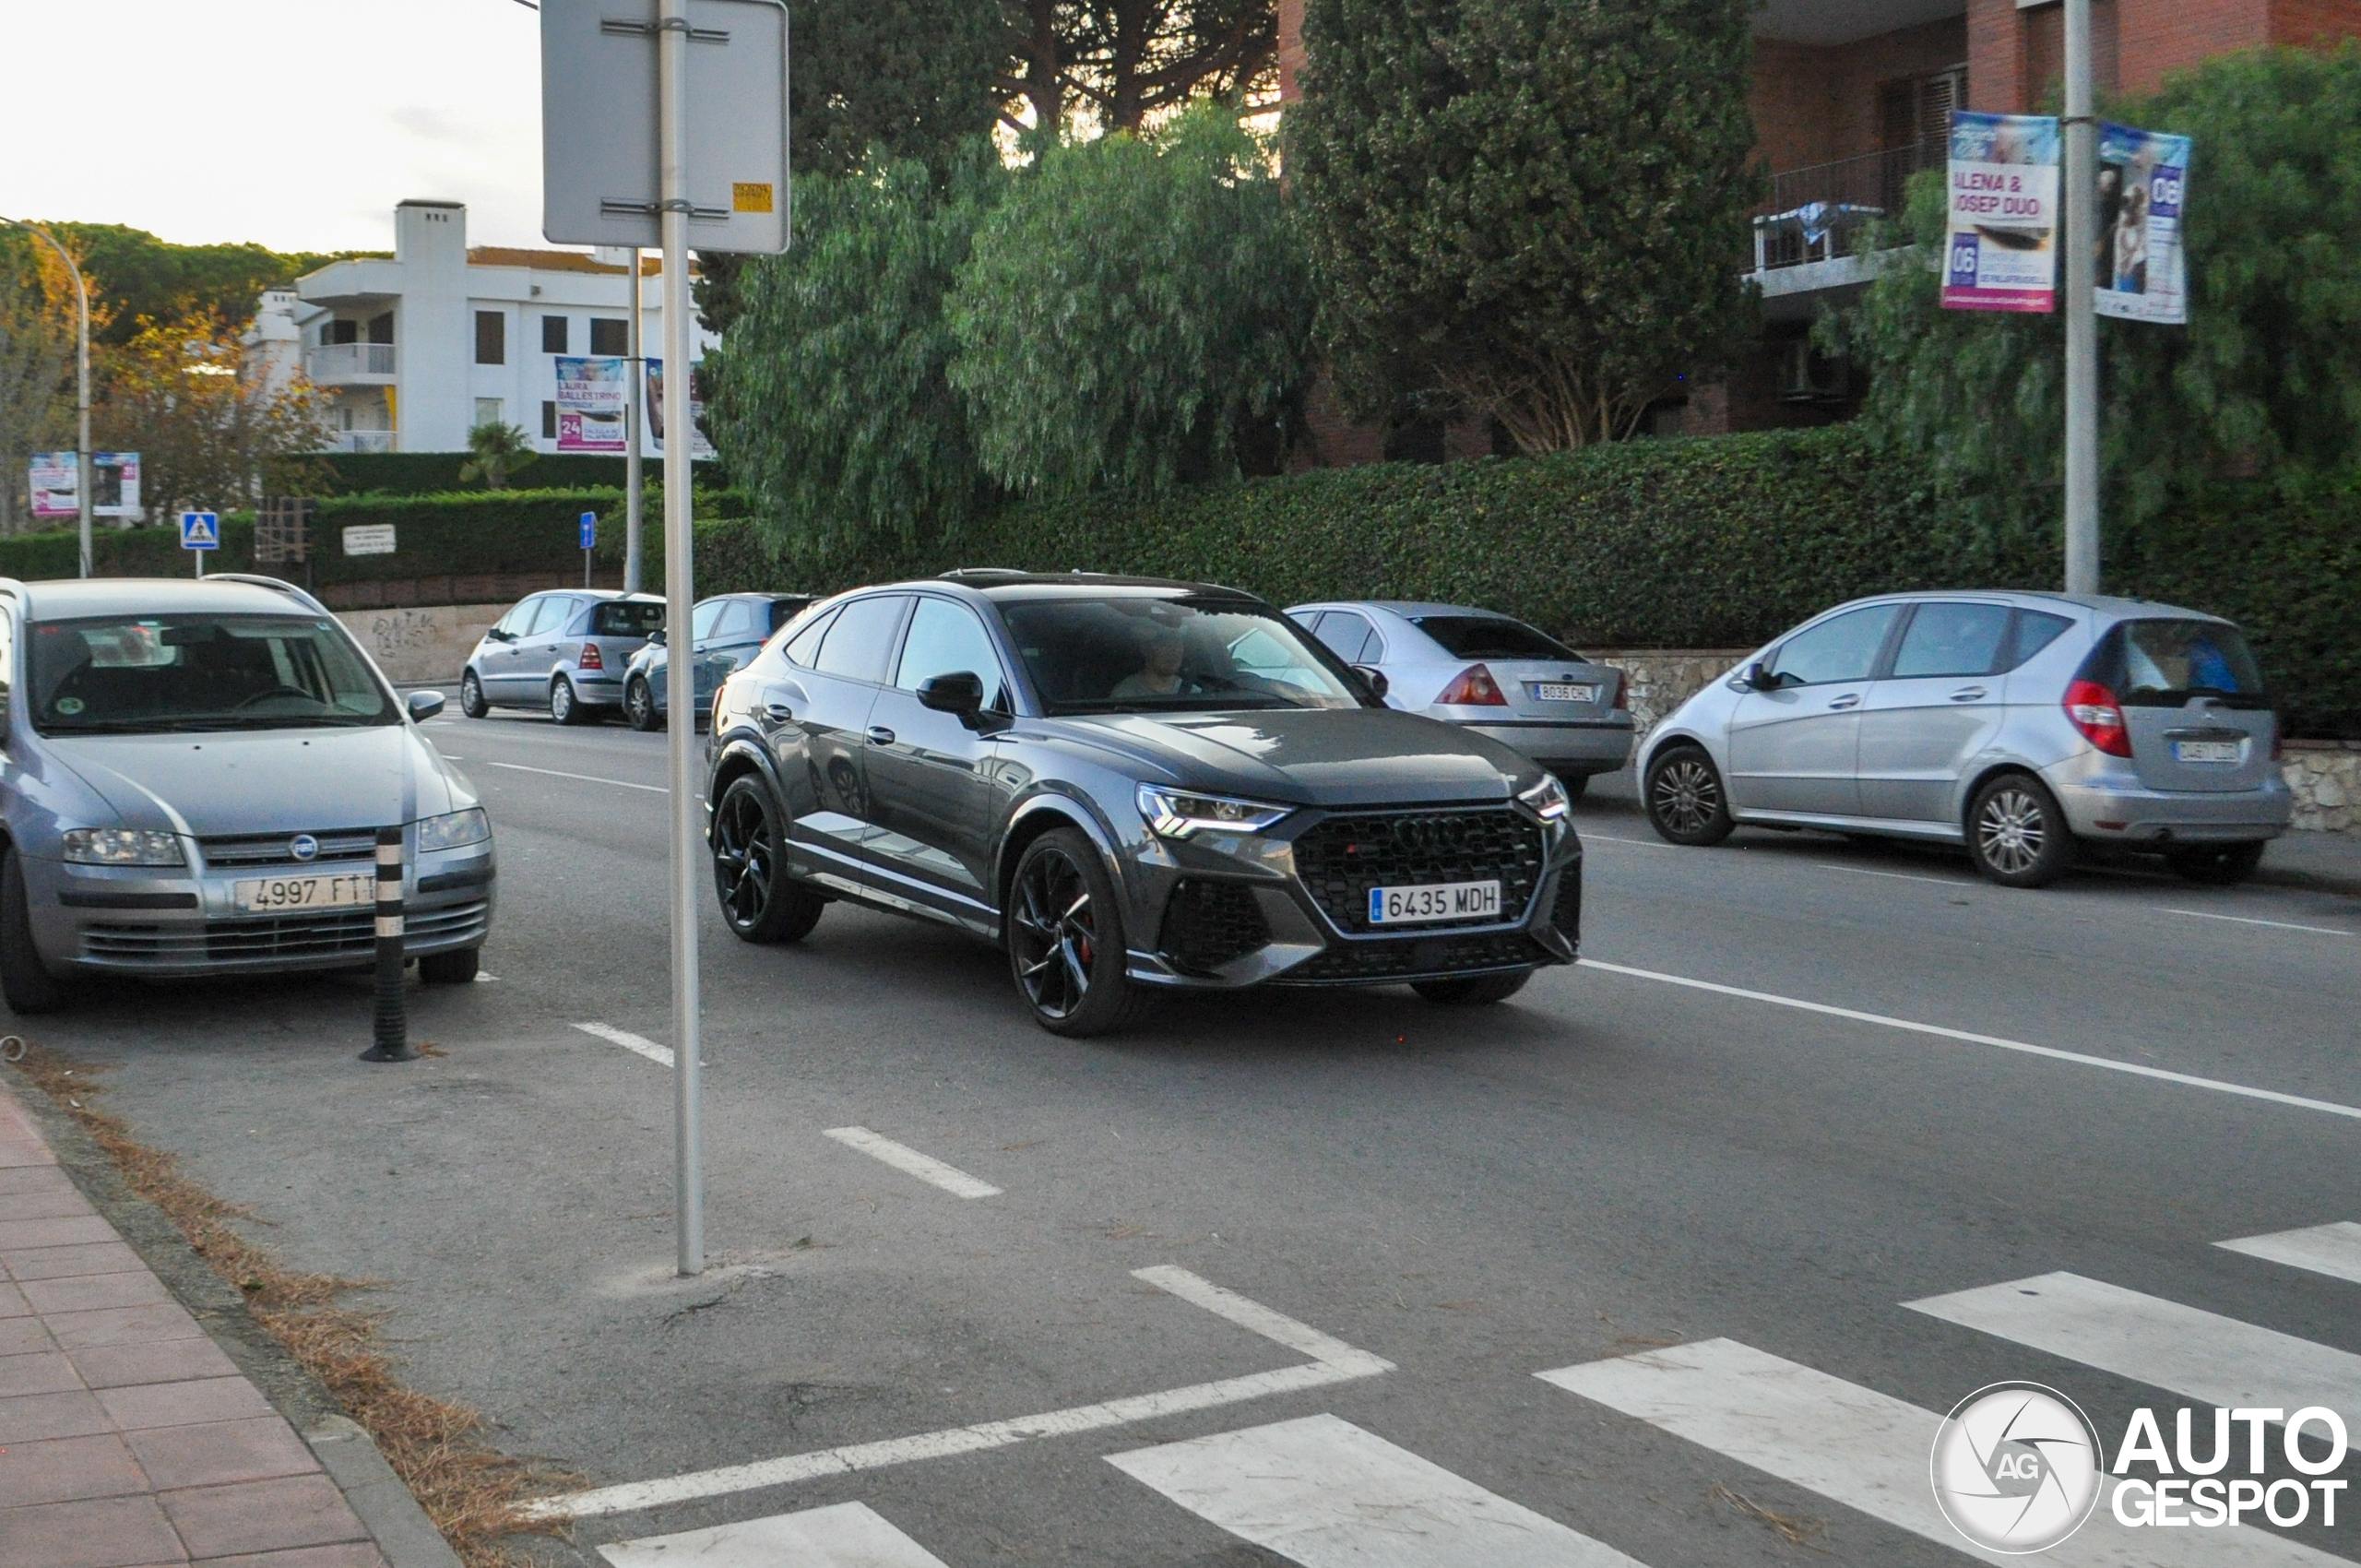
x=473, y=1492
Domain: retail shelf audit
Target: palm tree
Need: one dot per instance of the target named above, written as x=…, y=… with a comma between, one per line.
x=496, y=451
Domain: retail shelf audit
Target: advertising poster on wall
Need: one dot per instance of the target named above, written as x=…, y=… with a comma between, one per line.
x=700, y=449
x=2000, y=238
x=2144, y=176
x=116, y=493
x=591, y=398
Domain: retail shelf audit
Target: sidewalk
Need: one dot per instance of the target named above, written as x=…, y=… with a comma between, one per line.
x=128, y=1438
x=2319, y=862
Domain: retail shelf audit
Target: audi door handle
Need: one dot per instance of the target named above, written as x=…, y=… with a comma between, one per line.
x=1850, y=701
x=880, y=736
x=1969, y=693
x=779, y=712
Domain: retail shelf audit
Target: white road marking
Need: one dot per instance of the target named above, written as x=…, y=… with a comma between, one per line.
x=849, y=1535
x=1588, y=836
x=909, y=1161
x=2334, y=1250
x=2275, y=925
x=1323, y=1493
x=637, y=1044
x=585, y=777
x=1865, y=1450
x=2079, y=1058
x=1899, y=876
x=2214, y=1359
x=1345, y=1365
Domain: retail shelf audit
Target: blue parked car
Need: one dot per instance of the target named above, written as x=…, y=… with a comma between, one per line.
x=726, y=631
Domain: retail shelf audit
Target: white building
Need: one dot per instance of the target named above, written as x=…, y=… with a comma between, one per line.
x=416, y=351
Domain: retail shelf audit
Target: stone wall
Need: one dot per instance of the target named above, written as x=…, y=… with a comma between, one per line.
x=424, y=645
x=2326, y=778
x=1661, y=679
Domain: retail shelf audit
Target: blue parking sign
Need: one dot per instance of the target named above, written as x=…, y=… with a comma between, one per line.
x=200, y=530
x=589, y=530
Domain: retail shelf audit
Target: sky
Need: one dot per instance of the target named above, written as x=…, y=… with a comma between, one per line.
x=295, y=123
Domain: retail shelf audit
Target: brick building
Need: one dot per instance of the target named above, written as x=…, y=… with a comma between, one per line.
x=1850, y=98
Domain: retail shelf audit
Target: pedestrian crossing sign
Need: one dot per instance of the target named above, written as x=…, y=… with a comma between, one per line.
x=200, y=530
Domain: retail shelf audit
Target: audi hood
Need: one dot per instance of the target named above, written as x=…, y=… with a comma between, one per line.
x=1314, y=756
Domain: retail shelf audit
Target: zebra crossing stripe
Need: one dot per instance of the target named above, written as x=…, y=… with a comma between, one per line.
x=849, y=1535
x=2199, y=1355
x=2334, y=1250
x=1323, y=1493
x=1869, y=1452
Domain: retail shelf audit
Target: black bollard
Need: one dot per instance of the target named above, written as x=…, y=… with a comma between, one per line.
x=392, y=1031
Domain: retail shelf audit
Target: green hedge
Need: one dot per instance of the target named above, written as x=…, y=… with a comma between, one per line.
x=435, y=473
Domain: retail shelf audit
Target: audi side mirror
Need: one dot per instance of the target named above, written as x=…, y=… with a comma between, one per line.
x=1375, y=678
x=960, y=693
x=425, y=706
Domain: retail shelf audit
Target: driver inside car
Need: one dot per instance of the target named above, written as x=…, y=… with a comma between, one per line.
x=1162, y=648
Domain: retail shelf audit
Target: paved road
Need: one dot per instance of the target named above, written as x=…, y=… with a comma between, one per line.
x=1293, y=1261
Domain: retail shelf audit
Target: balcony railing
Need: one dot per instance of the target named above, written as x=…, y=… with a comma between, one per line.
x=361, y=441
x=1822, y=211
x=334, y=365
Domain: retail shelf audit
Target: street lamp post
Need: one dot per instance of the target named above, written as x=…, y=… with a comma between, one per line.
x=82, y=477
x=2080, y=230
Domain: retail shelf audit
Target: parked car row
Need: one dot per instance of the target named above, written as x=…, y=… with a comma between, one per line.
x=586, y=655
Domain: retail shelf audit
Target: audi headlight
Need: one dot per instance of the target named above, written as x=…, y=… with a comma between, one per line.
x=1549, y=798
x=453, y=829
x=124, y=847
x=1176, y=814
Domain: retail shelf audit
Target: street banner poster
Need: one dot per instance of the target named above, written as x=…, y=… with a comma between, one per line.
x=700, y=449
x=2000, y=239
x=591, y=398
x=2144, y=176
x=116, y=493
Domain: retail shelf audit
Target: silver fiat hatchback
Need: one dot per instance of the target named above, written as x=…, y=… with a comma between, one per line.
x=2019, y=725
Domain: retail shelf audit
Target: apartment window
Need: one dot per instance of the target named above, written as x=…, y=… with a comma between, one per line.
x=554, y=334
x=492, y=338
x=381, y=327
x=549, y=420
x=1915, y=117
x=609, y=336
x=488, y=411
x=340, y=331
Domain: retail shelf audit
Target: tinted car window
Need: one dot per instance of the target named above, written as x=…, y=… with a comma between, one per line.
x=1188, y=652
x=786, y=609
x=1490, y=636
x=1952, y=639
x=804, y=647
x=2035, y=631
x=863, y=638
x=1842, y=649
x=945, y=639
x=1346, y=634
x=626, y=618
x=2164, y=663
x=193, y=672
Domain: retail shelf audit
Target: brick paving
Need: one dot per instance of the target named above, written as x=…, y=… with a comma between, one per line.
x=128, y=1439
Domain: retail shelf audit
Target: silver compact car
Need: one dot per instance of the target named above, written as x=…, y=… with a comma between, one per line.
x=725, y=631
x=563, y=652
x=195, y=776
x=1486, y=672
x=2019, y=725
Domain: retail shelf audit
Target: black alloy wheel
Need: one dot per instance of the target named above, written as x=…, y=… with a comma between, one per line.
x=639, y=705
x=1685, y=801
x=25, y=982
x=471, y=701
x=2017, y=834
x=1065, y=938
x=1471, y=991
x=2217, y=865
x=758, y=900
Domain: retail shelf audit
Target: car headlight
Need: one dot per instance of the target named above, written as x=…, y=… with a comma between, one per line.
x=453, y=829
x=1176, y=814
x=1549, y=798
x=124, y=847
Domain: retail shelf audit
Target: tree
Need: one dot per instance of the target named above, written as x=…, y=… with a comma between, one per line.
x=1533, y=208
x=204, y=415
x=135, y=277
x=833, y=406
x=2265, y=379
x=1122, y=64
x=495, y=451
x=37, y=327
x=1136, y=312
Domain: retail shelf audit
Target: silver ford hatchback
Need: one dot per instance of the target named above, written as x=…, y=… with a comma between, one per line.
x=2017, y=724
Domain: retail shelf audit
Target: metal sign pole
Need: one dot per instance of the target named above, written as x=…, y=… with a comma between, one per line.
x=634, y=420
x=2080, y=197
x=688, y=859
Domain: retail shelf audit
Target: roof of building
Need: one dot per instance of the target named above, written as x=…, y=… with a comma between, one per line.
x=554, y=261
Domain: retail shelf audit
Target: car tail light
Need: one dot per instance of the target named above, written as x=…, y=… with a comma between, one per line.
x=1474, y=688
x=591, y=658
x=1622, y=702
x=2092, y=708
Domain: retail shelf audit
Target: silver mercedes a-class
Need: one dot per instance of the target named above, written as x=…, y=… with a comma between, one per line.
x=192, y=779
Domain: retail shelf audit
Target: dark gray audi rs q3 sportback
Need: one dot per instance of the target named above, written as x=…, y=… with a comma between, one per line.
x=1131, y=785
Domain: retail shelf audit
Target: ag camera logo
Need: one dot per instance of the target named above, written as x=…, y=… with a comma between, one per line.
x=2017, y=1468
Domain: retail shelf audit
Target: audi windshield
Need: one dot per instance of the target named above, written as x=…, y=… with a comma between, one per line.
x=154, y=673
x=1155, y=655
